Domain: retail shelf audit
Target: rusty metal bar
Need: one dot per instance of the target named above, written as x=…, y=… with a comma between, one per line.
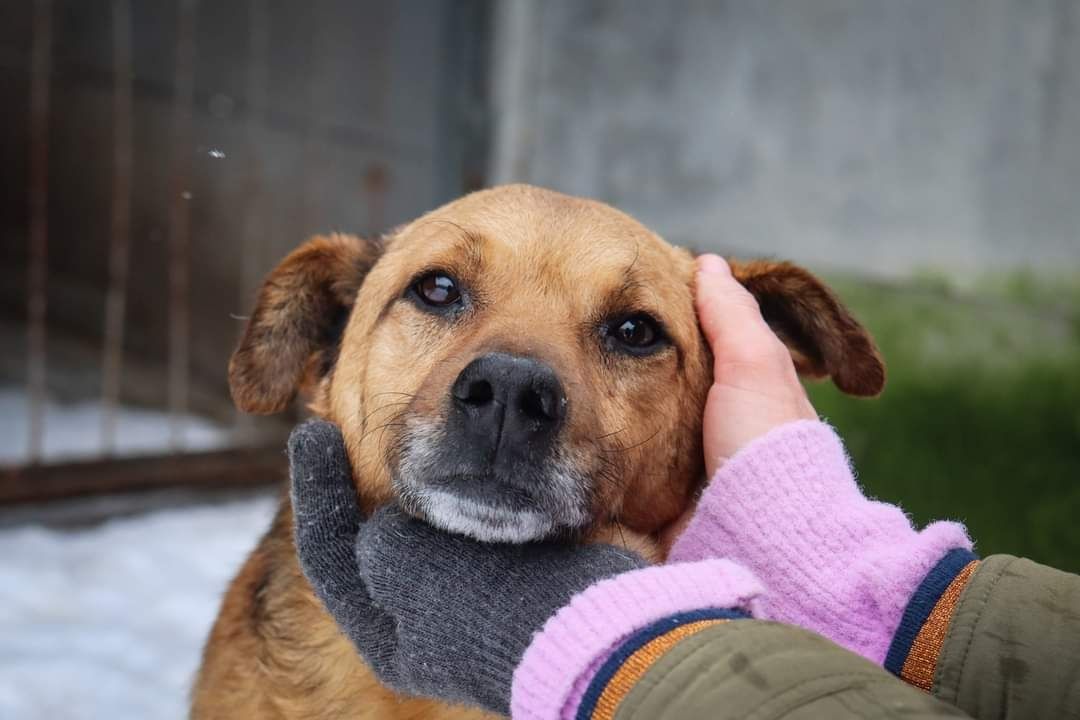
x=258, y=53
x=116, y=295
x=222, y=468
x=377, y=177
x=313, y=161
x=179, y=222
x=37, y=298
x=253, y=245
x=376, y=182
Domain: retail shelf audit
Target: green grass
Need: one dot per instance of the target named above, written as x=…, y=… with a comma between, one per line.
x=980, y=418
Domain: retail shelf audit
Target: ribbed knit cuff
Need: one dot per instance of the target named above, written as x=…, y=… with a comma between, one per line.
x=578, y=637
x=798, y=463
x=917, y=643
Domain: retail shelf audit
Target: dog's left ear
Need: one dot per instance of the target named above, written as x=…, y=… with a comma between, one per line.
x=824, y=339
x=292, y=337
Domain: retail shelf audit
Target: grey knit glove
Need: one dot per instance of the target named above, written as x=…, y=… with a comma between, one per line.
x=434, y=614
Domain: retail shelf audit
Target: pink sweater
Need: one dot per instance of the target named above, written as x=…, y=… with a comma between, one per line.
x=781, y=532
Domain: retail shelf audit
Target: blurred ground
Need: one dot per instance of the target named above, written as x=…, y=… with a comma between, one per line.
x=110, y=622
x=980, y=419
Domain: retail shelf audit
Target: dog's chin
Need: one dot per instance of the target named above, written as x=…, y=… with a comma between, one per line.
x=483, y=521
x=530, y=502
x=491, y=511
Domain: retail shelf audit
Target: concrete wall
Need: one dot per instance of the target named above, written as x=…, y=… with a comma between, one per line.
x=878, y=135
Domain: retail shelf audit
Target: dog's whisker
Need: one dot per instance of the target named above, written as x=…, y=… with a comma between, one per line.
x=610, y=434
x=394, y=392
x=382, y=430
x=396, y=417
x=610, y=475
x=444, y=221
x=622, y=538
x=621, y=449
x=384, y=406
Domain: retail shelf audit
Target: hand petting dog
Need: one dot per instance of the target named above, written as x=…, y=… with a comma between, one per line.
x=522, y=627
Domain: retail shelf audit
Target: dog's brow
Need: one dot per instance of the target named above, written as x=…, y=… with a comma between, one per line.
x=631, y=278
x=470, y=244
x=472, y=247
x=631, y=283
x=630, y=268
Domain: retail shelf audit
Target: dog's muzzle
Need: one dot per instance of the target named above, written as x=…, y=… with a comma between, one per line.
x=494, y=469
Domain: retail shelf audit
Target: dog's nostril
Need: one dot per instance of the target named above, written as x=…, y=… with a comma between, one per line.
x=477, y=392
x=539, y=404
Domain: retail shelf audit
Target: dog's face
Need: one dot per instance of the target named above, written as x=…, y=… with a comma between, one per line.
x=518, y=363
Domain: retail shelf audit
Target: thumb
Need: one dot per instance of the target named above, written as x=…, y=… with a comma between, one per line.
x=326, y=522
x=326, y=516
x=730, y=316
x=323, y=495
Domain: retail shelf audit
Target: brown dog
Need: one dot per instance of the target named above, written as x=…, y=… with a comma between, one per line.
x=513, y=365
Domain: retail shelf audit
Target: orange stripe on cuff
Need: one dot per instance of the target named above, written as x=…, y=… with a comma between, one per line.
x=922, y=660
x=639, y=663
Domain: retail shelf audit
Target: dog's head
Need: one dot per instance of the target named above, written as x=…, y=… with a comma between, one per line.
x=519, y=363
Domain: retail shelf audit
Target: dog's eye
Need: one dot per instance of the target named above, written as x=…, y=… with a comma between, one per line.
x=638, y=334
x=437, y=289
x=636, y=331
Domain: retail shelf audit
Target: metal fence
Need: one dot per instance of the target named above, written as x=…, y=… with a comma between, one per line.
x=169, y=154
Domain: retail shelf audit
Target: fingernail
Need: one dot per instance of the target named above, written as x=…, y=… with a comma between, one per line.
x=713, y=265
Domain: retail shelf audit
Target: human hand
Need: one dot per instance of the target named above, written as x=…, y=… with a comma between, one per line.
x=433, y=614
x=755, y=387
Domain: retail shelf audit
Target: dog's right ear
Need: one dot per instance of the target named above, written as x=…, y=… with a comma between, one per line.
x=292, y=336
x=823, y=337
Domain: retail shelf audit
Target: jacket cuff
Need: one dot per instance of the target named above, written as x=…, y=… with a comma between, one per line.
x=624, y=667
x=580, y=636
x=917, y=643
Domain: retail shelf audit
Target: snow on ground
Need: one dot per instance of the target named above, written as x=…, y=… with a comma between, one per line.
x=73, y=431
x=109, y=622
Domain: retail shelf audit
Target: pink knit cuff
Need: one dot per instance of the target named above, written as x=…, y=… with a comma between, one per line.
x=775, y=468
x=787, y=507
x=572, y=644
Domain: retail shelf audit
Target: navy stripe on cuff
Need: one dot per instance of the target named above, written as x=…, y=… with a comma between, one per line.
x=922, y=604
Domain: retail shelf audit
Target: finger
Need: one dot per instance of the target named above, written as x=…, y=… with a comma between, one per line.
x=326, y=521
x=729, y=315
x=323, y=494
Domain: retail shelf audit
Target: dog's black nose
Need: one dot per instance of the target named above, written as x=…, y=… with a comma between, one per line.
x=511, y=404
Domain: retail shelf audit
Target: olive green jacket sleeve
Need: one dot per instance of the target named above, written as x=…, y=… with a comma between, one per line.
x=1012, y=648
x=764, y=670
x=1003, y=641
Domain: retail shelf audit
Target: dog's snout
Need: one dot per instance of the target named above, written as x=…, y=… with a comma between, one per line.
x=510, y=402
